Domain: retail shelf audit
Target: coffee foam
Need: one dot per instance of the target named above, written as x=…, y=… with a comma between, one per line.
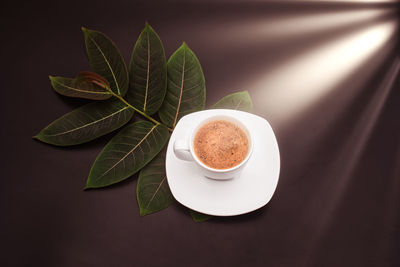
x=220, y=144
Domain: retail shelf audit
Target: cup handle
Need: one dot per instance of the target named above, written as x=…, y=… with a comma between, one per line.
x=182, y=151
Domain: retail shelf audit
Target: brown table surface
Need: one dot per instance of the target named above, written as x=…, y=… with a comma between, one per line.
x=338, y=198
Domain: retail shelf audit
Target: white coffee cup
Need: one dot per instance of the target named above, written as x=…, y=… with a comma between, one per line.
x=184, y=150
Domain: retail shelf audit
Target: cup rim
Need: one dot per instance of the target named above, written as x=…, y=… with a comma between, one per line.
x=215, y=117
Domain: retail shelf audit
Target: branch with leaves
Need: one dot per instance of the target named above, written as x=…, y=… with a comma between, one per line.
x=161, y=92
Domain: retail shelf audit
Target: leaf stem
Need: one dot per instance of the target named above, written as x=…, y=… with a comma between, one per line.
x=135, y=109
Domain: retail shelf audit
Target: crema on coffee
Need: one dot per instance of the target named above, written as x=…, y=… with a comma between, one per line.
x=221, y=144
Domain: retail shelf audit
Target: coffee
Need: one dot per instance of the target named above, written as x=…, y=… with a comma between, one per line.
x=221, y=144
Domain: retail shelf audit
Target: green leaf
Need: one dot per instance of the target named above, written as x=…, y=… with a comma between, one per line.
x=152, y=191
x=186, y=90
x=127, y=152
x=86, y=85
x=147, y=72
x=86, y=123
x=199, y=217
x=237, y=101
x=106, y=60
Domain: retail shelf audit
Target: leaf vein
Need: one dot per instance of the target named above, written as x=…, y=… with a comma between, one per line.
x=129, y=152
x=155, y=193
x=108, y=64
x=181, y=89
x=86, y=125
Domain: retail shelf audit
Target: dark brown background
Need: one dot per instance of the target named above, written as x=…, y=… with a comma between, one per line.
x=337, y=201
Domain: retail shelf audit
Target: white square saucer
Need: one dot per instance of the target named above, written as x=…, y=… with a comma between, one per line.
x=252, y=190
